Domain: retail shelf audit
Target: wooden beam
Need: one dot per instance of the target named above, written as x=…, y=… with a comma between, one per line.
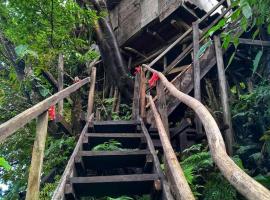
x=224, y=96
x=91, y=92
x=254, y=42
x=182, y=189
x=60, y=81
x=244, y=184
x=187, y=33
x=19, y=121
x=142, y=93
x=37, y=158
x=136, y=98
x=196, y=70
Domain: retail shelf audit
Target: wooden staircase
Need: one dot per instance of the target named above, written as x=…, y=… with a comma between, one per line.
x=129, y=171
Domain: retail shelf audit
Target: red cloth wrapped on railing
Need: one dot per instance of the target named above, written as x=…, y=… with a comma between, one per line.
x=137, y=70
x=52, y=112
x=153, y=80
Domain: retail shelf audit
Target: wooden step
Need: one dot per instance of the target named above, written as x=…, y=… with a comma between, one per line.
x=113, y=186
x=114, y=126
x=107, y=160
x=128, y=140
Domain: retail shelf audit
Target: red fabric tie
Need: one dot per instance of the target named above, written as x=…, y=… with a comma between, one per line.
x=137, y=70
x=52, y=112
x=152, y=82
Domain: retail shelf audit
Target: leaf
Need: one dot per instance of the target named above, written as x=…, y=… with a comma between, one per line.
x=220, y=24
x=256, y=61
x=230, y=60
x=203, y=49
x=226, y=41
x=4, y=164
x=44, y=92
x=21, y=50
x=265, y=180
x=268, y=29
x=246, y=9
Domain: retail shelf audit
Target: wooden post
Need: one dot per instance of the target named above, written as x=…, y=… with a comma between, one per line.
x=142, y=93
x=228, y=136
x=136, y=99
x=60, y=81
x=182, y=189
x=162, y=106
x=196, y=71
x=37, y=158
x=91, y=92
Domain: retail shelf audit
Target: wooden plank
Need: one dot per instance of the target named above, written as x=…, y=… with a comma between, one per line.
x=60, y=81
x=196, y=70
x=114, y=179
x=136, y=99
x=91, y=92
x=244, y=184
x=228, y=137
x=181, y=187
x=59, y=191
x=37, y=158
x=112, y=153
x=114, y=135
x=12, y=125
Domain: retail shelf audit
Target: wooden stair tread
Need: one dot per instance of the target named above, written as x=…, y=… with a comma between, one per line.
x=114, y=186
x=103, y=160
x=114, y=126
x=127, y=140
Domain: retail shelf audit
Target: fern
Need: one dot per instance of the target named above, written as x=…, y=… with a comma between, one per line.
x=111, y=145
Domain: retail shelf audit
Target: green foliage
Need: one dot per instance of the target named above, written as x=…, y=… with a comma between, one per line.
x=111, y=145
x=106, y=107
x=256, y=61
x=4, y=164
x=218, y=188
x=203, y=48
x=48, y=189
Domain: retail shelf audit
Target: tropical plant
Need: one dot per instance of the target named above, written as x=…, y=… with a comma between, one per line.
x=111, y=145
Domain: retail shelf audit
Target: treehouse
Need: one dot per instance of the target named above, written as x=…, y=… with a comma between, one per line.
x=163, y=57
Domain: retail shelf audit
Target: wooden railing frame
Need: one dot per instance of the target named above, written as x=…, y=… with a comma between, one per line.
x=20, y=120
x=243, y=183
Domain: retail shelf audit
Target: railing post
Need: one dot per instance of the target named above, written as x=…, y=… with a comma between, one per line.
x=136, y=98
x=142, y=93
x=60, y=82
x=228, y=137
x=196, y=71
x=162, y=106
x=37, y=158
x=91, y=92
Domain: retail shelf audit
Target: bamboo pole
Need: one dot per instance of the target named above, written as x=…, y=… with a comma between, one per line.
x=91, y=92
x=60, y=82
x=228, y=137
x=182, y=189
x=37, y=158
x=244, y=184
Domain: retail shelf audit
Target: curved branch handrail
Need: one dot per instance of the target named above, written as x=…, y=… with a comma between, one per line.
x=244, y=184
x=17, y=122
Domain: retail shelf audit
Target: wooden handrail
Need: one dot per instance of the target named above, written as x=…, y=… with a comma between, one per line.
x=181, y=188
x=244, y=184
x=17, y=122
